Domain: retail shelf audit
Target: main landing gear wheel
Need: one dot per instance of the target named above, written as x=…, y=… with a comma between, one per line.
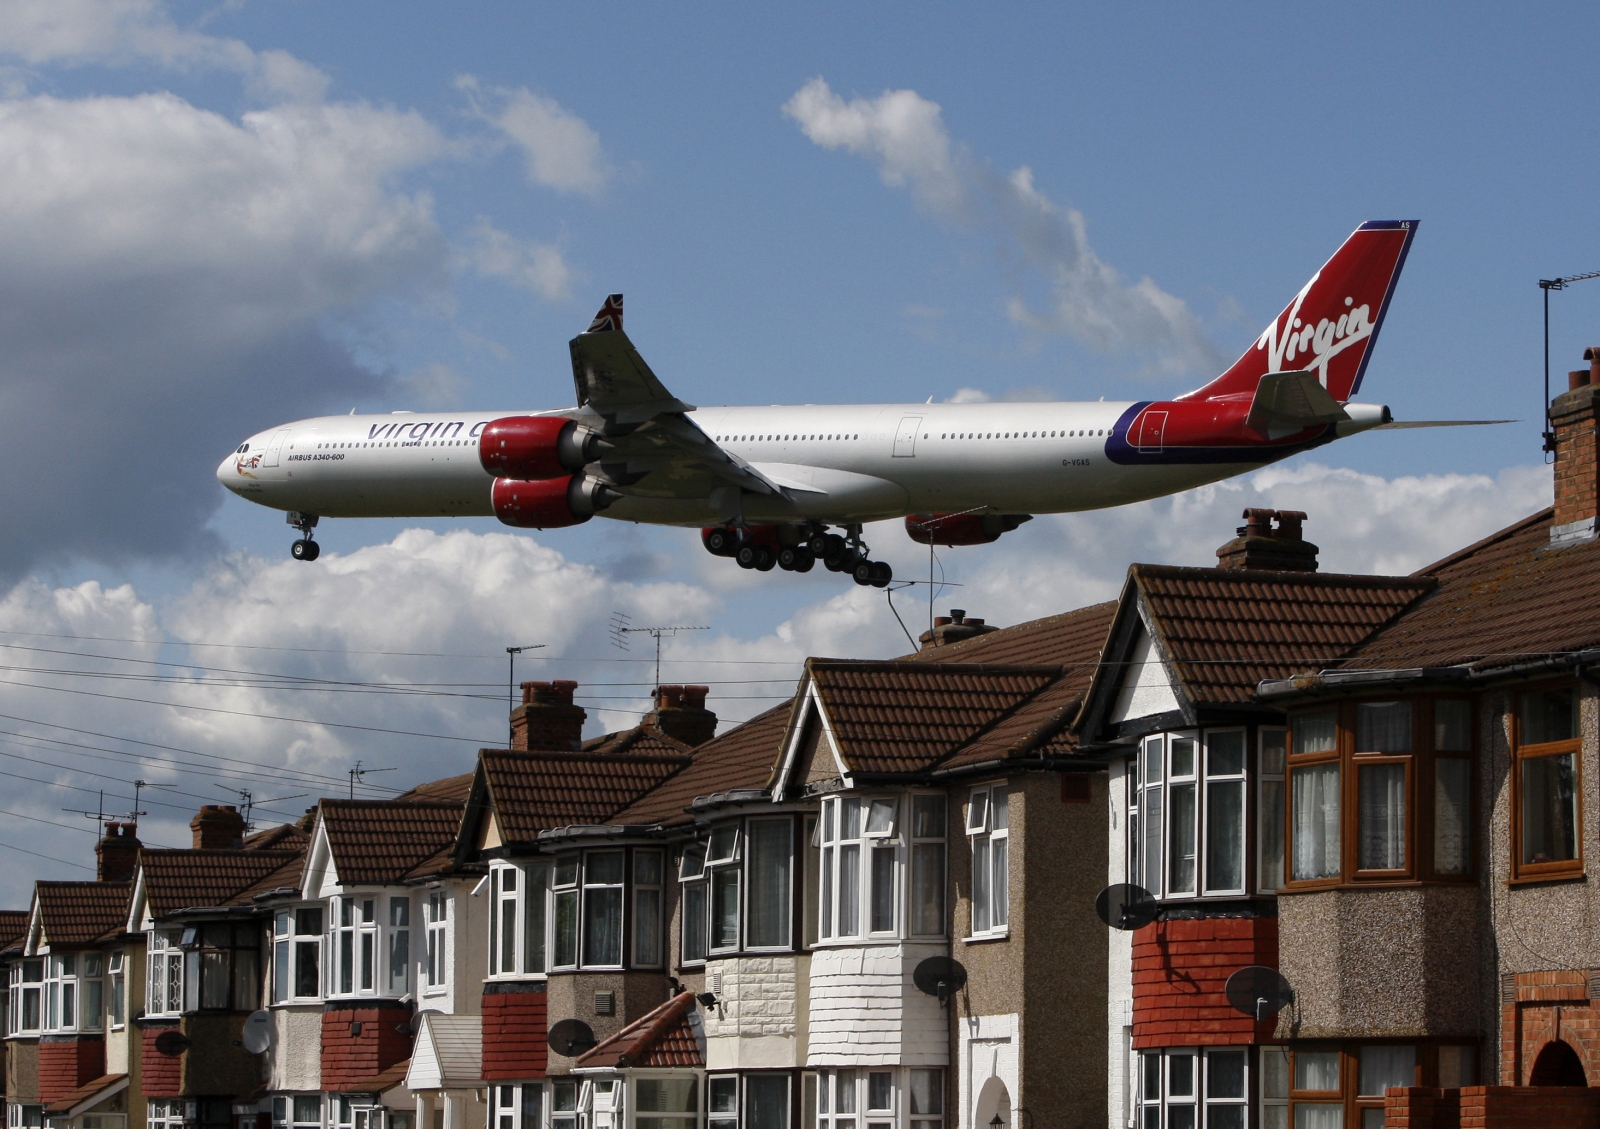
x=876, y=574
x=304, y=549
x=795, y=558
x=721, y=541
x=758, y=557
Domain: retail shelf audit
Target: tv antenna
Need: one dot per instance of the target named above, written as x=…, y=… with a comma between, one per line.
x=138, y=787
x=620, y=632
x=1547, y=285
x=358, y=776
x=247, y=801
x=511, y=685
x=98, y=815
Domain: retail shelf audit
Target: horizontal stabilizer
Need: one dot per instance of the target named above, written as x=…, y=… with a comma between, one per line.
x=1395, y=425
x=1292, y=401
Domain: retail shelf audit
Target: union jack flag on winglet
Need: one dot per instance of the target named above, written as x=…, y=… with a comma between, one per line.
x=609, y=319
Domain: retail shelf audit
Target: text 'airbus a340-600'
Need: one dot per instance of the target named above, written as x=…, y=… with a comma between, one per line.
x=788, y=486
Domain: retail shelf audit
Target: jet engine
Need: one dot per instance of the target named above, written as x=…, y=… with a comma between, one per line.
x=535, y=448
x=961, y=529
x=550, y=503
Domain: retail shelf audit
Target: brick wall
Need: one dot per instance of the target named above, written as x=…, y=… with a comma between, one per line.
x=1492, y=1107
x=67, y=1062
x=1179, y=970
x=1539, y=1008
x=515, y=1026
x=362, y=1040
x=161, y=1076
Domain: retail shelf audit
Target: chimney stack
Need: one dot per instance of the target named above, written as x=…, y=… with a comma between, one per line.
x=681, y=714
x=953, y=628
x=547, y=719
x=117, y=855
x=1572, y=419
x=1261, y=545
x=218, y=827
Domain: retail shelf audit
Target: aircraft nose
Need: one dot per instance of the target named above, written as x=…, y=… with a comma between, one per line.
x=229, y=472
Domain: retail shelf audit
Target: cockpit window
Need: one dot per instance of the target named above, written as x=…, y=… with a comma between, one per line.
x=244, y=448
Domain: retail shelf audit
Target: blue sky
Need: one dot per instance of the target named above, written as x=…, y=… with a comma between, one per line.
x=216, y=217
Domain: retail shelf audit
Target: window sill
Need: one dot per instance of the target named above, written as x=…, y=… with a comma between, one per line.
x=983, y=938
x=1548, y=879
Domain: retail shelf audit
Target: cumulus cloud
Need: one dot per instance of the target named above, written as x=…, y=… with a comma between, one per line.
x=125, y=31
x=171, y=278
x=559, y=149
x=904, y=135
x=537, y=267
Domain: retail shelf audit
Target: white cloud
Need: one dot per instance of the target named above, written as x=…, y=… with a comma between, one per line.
x=560, y=150
x=435, y=386
x=125, y=31
x=905, y=136
x=537, y=267
x=969, y=396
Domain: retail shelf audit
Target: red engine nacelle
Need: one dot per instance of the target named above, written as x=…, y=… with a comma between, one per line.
x=549, y=503
x=535, y=448
x=961, y=529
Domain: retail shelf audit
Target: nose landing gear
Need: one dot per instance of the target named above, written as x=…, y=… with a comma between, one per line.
x=304, y=549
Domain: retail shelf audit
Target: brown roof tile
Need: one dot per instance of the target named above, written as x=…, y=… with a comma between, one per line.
x=184, y=879
x=376, y=842
x=450, y=790
x=13, y=927
x=285, y=877
x=83, y=1093
x=536, y=791
x=640, y=740
x=80, y=913
x=662, y=1037
x=1068, y=639
x=284, y=837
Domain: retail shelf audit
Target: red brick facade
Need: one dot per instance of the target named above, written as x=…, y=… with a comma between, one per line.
x=359, y=1042
x=65, y=1064
x=1493, y=1107
x=515, y=1026
x=1540, y=1008
x=1179, y=970
x=161, y=1076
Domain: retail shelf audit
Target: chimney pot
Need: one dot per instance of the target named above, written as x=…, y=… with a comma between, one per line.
x=957, y=615
x=941, y=620
x=1258, y=545
x=952, y=629
x=1258, y=523
x=547, y=718
x=1577, y=378
x=1592, y=355
x=681, y=714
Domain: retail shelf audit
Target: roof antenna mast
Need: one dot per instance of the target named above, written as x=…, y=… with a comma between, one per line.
x=1547, y=285
x=620, y=632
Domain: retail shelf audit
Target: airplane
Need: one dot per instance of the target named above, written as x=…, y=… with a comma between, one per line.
x=768, y=486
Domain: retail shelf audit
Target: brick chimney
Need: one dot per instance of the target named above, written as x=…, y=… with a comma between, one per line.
x=547, y=719
x=117, y=855
x=681, y=714
x=953, y=628
x=1260, y=544
x=1572, y=419
x=218, y=827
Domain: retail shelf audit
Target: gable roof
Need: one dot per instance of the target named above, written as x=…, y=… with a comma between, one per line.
x=173, y=880
x=80, y=913
x=450, y=790
x=448, y=1052
x=665, y=1036
x=13, y=927
x=88, y=1095
x=378, y=842
x=532, y=792
x=641, y=740
x=284, y=837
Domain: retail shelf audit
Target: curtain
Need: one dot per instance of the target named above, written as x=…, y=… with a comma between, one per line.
x=768, y=863
x=1383, y=727
x=1225, y=836
x=1452, y=792
x=1382, y=841
x=1315, y=821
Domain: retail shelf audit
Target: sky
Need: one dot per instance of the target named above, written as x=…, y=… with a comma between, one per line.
x=216, y=217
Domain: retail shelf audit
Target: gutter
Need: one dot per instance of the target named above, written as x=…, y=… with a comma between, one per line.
x=599, y=830
x=1073, y=763
x=1460, y=675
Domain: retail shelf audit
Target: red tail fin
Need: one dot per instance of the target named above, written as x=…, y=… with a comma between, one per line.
x=1330, y=326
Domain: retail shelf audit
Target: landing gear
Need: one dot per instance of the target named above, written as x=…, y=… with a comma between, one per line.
x=761, y=547
x=304, y=549
x=758, y=557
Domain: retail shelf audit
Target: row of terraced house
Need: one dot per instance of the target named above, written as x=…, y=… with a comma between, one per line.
x=874, y=906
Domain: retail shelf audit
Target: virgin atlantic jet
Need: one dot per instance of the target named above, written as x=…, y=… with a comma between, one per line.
x=765, y=485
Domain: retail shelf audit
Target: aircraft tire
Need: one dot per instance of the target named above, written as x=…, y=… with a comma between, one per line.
x=313, y=550
x=805, y=563
x=720, y=541
x=790, y=558
x=864, y=573
x=748, y=555
x=304, y=550
x=765, y=559
x=881, y=574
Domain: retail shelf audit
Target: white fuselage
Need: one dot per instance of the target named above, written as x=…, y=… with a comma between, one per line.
x=837, y=463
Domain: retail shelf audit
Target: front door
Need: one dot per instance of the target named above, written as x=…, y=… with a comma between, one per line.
x=905, y=437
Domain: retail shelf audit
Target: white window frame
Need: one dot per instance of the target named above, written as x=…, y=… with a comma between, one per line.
x=21, y=987
x=117, y=989
x=1179, y=782
x=356, y=948
x=163, y=973
x=1155, y=1110
x=1152, y=782
x=588, y=905
x=509, y=1105
x=396, y=949
x=287, y=1114
x=695, y=890
x=843, y=1097
x=1238, y=781
x=437, y=911
x=920, y=844
x=506, y=911
x=290, y=946
x=991, y=909
x=724, y=864
x=877, y=820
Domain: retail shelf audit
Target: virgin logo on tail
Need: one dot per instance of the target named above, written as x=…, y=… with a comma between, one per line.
x=1289, y=337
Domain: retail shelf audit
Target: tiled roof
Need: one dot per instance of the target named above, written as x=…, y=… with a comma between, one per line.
x=746, y=756
x=87, y=1093
x=284, y=837
x=376, y=842
x=285, y=877
x=1506, y=599
x=893, y=717
x=183, y=879
x=1227, y=630
x=80, y=913
x=662, y=1037
x=536, y=791
x=450, y=790
x=1068, y=639
x=641, y=740
x=13, y=926
x=381, y=1082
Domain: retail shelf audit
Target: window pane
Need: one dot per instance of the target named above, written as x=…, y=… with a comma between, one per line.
x=603, y=868
x=1316, y=1070
x=567, y=870
x=766, y=1101
x=1551, y=715
x=368, y=959
x=1383, y=727
x=1225, y=835
x=214, y=975
x=1384, y=1067
x=1452, y=725
x=647, y=927
x=850, y=819
x=647, y=868
x=347, y=959
x=1270, y=834
x=1315, y=733
x=602, y=933
x=722, y=1095
x=508, y=934
x=826, y=895
x=846, y=1092
x=1315, y=818
x=849, y=889
x=882, y=889
x=927, y=1091
x=308, y=922
x=1549, y=808
x=280, y=972
x=307, y=1108
x=1318, y=1115
x=1382, y=837
x=1154, y=754
x=999, y=810
x=1225, y=1074
x=1183, y=756
x=306, y=974
x=1225, y=1117
x=1180, y=839
x=725, y=908
x=1452, y=794
x=1150, y=817
x=927, y=817
x=927, y=890
x=1002, y=884
x=1458, y=1066
x=1180, y=1117
x=533, y=925
x=694, y=921
x=978, y=812
x=1180, y=1076
x=566, y=928
x=769, y=868
x=1225, y=753
x=880, y=816
x=980, y=885
x=399, y=960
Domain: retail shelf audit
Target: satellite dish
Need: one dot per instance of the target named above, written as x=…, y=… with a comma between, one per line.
x=1258, y=991
x=259, y=1034
x=172, y=1042
x=571, y=1037
x=939, y=976
x=1125, y=906
x=411, y=1026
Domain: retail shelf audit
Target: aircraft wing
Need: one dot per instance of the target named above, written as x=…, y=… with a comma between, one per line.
x=655, y=450
x=1395, y=425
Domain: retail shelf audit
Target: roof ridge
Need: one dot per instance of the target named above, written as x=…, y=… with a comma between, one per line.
x=1367, y=579
x=912, y=666
x=1483, y=543
x=590, y=756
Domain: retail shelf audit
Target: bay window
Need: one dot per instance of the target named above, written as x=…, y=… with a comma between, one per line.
x=505, y=918
x=296, y=955
x=738, y=888
x=1224, y=808
x=116, y=989
x=1545, y=786
x=1341, y=1086
x=1191, y=1088
x=872, y=1099
x=927, y=866
x=535, y=917
x=765, y=1103
x=355, y=945
x=603, y=873
x=722, y=880
x=436, y=924
x=222, y=966
x=25, y=1010
x=164, y=973
x=988, y=829
x=74, y=992
x=647, y=907
x=1270, y=753
x=565, y=885
x=691, y=873
x=663, y=1102
x=860, y=860
x=399, y=946
x=1188, y=799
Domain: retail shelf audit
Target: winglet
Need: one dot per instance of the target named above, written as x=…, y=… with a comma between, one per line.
x=609, y=319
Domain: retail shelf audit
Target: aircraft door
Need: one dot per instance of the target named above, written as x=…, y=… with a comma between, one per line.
x=905, y=437
x=1152, y=427
x=274, y=447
